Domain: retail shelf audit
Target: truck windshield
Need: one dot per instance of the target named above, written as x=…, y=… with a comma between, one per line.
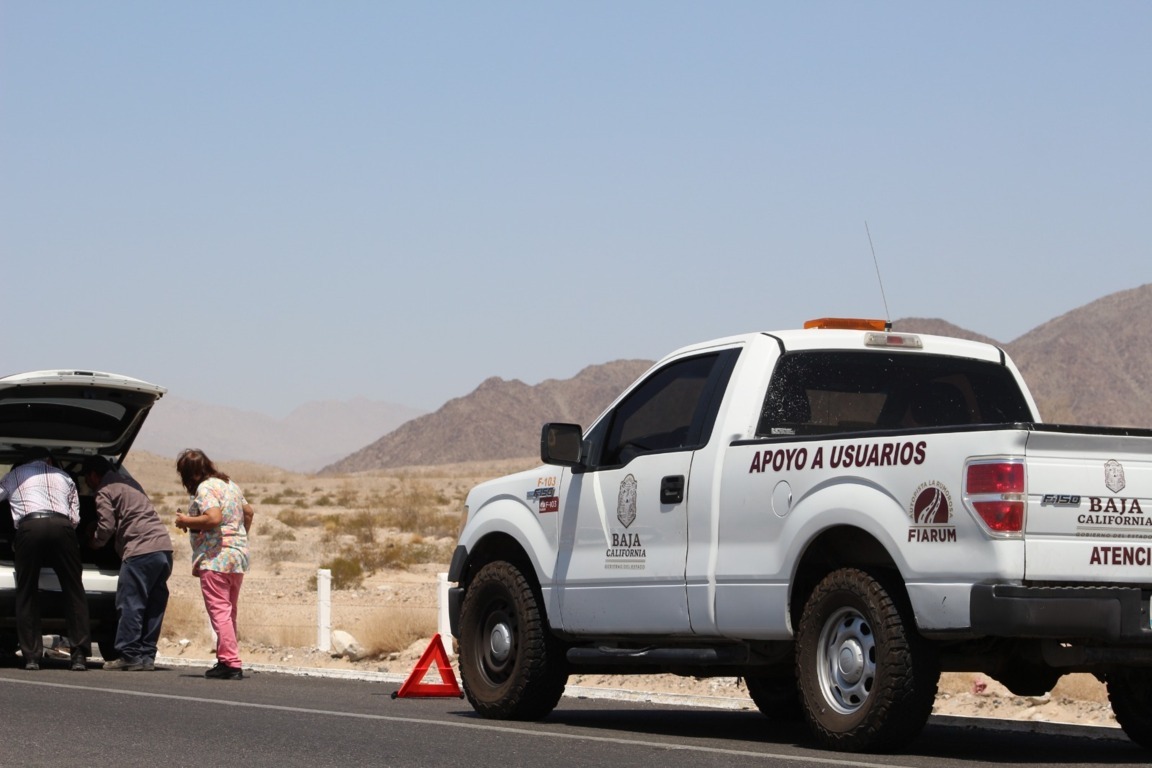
x=823, y=392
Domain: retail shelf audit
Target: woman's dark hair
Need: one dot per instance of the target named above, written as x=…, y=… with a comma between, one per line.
x=195, y=467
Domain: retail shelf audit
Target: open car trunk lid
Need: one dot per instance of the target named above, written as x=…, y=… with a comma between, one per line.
x=73, y=413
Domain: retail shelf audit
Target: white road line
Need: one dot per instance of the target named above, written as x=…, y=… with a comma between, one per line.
x=484, y=726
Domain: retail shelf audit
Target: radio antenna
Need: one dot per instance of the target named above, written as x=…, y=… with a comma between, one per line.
x=879, y=279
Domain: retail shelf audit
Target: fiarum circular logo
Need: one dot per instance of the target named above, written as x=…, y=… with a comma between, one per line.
x=931, y=505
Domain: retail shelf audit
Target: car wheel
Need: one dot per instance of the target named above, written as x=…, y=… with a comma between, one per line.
x=1130, y=691
x=867, y=678
x=511, y=665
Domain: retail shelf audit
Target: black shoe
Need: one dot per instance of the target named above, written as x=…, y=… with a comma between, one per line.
x=224, y=672
x=31, y=666
x=79, y=665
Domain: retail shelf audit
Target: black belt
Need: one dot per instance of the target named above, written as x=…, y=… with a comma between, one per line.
x=40, y=515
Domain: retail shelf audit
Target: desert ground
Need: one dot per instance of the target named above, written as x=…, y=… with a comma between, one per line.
x=400, y=526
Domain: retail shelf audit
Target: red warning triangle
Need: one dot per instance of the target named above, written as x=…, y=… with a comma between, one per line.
x=434, y=655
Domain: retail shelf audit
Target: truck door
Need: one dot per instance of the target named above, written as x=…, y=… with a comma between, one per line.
x=623, y=538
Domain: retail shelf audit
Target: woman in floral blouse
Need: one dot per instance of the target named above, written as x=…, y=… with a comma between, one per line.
x=218, y=522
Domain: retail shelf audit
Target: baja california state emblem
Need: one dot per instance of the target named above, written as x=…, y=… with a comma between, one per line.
x=626, y=501
x=1114, y=476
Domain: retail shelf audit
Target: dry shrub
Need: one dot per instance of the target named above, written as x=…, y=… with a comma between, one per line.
x=361, y=526
x=282, y=534
x=347, y=495
x=394, y=630
x=277, y=554
x=347, y=572
x=403, y=554
x=294, y=518
x=262, y=624
x=186, y=619
x=417, y=507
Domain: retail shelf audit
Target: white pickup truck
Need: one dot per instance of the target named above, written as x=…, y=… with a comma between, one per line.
x=836, y=515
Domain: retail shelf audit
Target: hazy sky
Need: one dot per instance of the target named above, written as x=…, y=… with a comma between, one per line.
x=259, y=204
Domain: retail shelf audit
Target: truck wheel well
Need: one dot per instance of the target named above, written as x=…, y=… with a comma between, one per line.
x=840, y=547
x=494, y=547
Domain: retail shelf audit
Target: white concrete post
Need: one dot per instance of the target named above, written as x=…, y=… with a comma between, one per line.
x=444, y=626
x=324, y=609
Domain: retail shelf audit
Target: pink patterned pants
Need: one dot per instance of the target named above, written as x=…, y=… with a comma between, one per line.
x=221, y=599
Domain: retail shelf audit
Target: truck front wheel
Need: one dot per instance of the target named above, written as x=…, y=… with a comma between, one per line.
x=511, y=665
x=1130, y=691
x=867, y=678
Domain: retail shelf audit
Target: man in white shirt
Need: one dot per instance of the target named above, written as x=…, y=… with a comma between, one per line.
x=45, y=511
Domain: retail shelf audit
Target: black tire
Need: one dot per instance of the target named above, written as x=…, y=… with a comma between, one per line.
x=511, y=665
x=106, y=643
x=1130, y=691
x=776, y=696
x=867, y=678
x=8, y=647
x=104, y=636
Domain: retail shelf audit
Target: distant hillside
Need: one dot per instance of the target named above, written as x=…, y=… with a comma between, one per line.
x=1092, y=365
x=937, y=327
x=305, y=440
x=499, y=420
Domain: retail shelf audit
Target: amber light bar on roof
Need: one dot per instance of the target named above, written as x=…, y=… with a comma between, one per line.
x=848, y=324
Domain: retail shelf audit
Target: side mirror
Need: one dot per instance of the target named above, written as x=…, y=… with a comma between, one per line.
x=560, y=444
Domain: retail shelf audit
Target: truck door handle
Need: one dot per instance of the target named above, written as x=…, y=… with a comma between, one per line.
x=672, y=489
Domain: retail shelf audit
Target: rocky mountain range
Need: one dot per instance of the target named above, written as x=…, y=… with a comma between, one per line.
x=499, y=420
x=1090, y=366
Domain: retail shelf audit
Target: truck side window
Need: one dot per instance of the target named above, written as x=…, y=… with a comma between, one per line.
x=672, y=409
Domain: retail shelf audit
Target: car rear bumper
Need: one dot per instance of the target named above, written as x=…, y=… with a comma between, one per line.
x=1109, y=614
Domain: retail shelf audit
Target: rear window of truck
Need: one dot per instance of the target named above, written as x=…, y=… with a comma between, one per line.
x=826, y=392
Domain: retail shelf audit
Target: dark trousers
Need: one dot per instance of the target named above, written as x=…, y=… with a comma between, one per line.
x=49, y=541
x=142, y=598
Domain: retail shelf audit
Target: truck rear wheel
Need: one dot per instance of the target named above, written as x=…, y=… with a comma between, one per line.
x=511, y=665
x=1130, y=691
x=867, y=678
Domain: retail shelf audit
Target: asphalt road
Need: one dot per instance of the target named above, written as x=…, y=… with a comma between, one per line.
x=174, y=717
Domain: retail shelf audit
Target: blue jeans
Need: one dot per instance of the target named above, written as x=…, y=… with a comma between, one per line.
x=142, y=598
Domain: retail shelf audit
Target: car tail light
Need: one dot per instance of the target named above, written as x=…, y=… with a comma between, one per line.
x=995, y=491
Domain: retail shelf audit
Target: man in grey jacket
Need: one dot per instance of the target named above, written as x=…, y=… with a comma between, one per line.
x=142, y=540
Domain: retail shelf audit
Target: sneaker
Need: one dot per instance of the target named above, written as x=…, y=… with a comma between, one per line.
x=31, y=666
x=124, y=664
x=79, y=665
x=224, y=672
x=148, y=664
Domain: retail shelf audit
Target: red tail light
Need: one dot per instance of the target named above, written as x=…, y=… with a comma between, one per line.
x=995, y=491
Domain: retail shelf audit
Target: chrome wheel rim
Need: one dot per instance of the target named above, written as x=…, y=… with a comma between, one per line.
x=846, y=660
